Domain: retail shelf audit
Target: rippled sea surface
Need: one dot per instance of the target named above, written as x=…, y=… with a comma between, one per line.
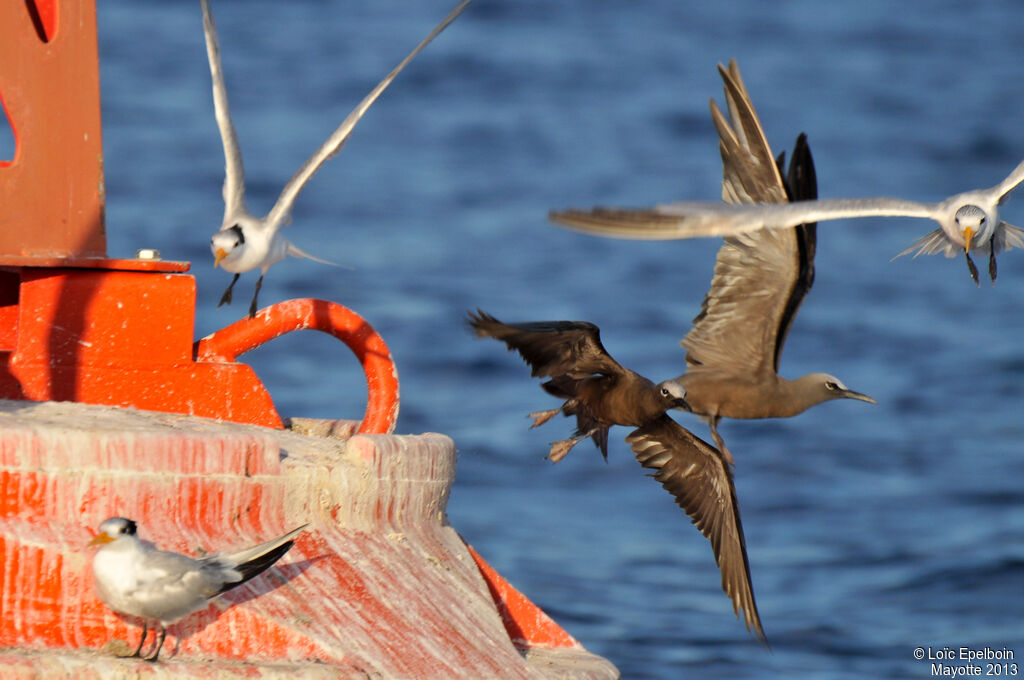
x=872, y=530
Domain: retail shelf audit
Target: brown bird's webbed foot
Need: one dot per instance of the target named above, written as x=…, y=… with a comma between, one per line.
x=559, y=449
x=541, y=417
x=720, y=444
x=971, y=268
x=727, y=454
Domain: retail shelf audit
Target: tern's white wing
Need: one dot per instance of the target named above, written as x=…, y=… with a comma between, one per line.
x=234, y=173
x=277, y=215
x=932, y=243
x=689, y=219
x=1006, y=237
x=1011, y=182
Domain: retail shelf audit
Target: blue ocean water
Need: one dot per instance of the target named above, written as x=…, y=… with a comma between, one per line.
x=871, y=530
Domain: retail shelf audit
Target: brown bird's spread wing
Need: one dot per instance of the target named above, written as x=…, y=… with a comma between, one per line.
x=551, y=348
x=696, y=474
x=761, y=277
x=801, y=185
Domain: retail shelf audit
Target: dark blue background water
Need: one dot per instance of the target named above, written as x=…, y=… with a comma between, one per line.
x=871, y=529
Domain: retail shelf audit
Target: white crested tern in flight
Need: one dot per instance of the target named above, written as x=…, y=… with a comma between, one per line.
x=134, y=578
x=244, y=241
x=967, y=222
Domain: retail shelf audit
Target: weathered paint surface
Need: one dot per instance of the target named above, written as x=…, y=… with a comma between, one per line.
x=526, y=623
x=379, y=586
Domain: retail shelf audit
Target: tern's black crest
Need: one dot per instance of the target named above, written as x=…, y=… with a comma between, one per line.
x=118, y=526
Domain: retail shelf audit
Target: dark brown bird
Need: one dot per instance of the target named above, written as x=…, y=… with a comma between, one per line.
x=761, y=278
x=602, y=393
x=596, y=389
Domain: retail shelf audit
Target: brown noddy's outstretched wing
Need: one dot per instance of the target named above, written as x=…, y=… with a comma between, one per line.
x=761, y=277
x=696, y=474
x=551, y=348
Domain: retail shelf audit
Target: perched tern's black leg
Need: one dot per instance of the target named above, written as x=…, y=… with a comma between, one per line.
x=159, y=646
x=252, y=307
x=225, y=299
x=971, y=267
x=992, y=263
x=138, y=650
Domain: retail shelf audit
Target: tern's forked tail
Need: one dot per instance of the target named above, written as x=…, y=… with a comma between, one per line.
x=296, y=251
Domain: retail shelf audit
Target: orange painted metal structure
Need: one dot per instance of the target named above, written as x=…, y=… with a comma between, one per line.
x=123, y=337
x=526, y=623
x=328, y=317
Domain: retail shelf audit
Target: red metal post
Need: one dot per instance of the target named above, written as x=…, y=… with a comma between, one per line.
x=51, y=193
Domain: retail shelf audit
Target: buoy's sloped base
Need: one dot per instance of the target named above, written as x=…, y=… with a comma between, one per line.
x=378, y=586
x=22, y=664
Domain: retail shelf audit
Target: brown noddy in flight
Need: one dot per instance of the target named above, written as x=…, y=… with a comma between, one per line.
x=760, y=280
x=601, y=393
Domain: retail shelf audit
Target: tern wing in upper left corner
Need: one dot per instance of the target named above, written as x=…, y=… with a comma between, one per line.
x=234, y=173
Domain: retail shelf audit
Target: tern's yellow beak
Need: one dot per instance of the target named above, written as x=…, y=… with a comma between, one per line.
x=968, y=233
x=101, y=539
x=218, y=256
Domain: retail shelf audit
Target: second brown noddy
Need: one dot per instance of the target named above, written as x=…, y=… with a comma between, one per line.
x=601, y=393
x=761, y=278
